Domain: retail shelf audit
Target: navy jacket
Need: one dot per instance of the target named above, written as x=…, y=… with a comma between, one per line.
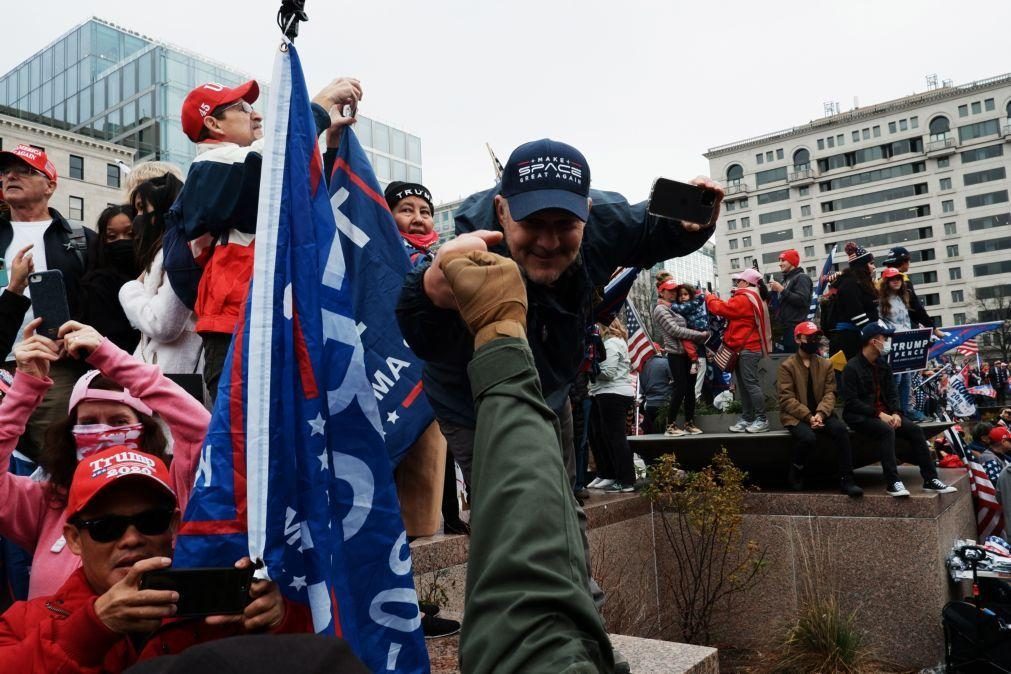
x=617, y=234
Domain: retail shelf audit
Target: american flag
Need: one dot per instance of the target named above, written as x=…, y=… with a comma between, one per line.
x=968, y=348
x=989, y=514
x=640, y=347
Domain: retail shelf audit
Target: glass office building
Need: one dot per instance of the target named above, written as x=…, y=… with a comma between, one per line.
x=104, y=81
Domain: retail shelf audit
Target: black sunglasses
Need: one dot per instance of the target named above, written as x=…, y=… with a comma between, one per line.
x=112, y=527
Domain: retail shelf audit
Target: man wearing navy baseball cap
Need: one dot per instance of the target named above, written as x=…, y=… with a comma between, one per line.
x=872, y=409
x=567, y=240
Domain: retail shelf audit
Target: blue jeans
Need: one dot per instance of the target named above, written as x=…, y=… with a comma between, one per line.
x=904, y=383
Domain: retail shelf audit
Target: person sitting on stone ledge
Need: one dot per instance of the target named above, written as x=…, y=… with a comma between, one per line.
x=997, y=453
x=872, y=409
x=980, y=439
x=527, y=608
x=805, y=384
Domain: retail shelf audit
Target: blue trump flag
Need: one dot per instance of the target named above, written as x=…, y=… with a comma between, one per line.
x=959, y=335
x=376, y=262
x=294, y=470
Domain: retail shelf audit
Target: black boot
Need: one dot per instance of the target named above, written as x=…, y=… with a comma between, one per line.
x=796, y=477
x=850, y=488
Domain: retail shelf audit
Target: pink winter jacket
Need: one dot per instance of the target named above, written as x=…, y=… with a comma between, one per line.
x=26, y=517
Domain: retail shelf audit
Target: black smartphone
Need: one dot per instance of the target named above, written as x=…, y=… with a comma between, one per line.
x=203, y=591
x=681, y=201
x=49, y=301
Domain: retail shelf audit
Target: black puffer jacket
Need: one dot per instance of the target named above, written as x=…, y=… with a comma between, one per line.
x=854, y=304
x=617, y=234
x=795, y=298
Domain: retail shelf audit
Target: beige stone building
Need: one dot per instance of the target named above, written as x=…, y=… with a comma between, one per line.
x=90, y=171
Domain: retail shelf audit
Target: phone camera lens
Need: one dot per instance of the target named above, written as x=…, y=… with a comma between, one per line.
x=708, y=198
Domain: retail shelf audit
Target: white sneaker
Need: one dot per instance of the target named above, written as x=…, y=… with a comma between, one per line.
x=674, y=432
x=593, y=483
x=740, y=427
x=759, y=425
x=603, y=484
x=897, y=489
x=937, y=486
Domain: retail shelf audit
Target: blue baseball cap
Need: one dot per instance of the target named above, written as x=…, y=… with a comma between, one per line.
x=546, y=174
x=872, y=330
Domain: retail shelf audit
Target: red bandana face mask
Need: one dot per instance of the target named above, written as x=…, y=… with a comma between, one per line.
x=421, y=241
x=96, y=437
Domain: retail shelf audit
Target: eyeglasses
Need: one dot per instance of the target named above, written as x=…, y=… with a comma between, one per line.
x=240, y=105
x=112, y=527
x=20, y=170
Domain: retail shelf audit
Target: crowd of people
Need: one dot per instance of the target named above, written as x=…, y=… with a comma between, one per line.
x=102, y=419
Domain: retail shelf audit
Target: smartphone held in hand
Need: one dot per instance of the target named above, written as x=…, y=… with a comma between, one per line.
x=49, y=301
x=204, y=591
x=681, y=201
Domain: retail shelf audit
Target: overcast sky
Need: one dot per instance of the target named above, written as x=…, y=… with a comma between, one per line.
x=642, y=88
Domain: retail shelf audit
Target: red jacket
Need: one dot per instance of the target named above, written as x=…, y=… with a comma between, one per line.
x=743, y=332
x=61, y=634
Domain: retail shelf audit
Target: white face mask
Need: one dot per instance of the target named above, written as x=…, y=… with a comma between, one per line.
x=886, y=347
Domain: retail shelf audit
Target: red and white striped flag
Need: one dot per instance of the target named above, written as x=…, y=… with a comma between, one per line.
x=969, y=348
x=640, y=347
x=989, y=514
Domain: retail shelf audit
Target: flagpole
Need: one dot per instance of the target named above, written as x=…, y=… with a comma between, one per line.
x=933, y=376
x=822, y=284
x=496, y=164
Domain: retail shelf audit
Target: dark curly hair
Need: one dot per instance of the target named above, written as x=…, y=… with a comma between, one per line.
x=58, y=457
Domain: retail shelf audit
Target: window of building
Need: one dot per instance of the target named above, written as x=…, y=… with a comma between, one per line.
x=804, y=191
x=745, y=223
x=963, y=111
x=903, y=125
x=954, y=273
x=779, y=153
x=891, y=127
x=770, y=176
x=914, y=122
x=987, y=199
x=879, y=218
x=76, y=167
x=931, y=299
x=957, y=296
x=808, y=231
x=778, y=235
x=810, y=272
x=821, y=144
x=856, y=136
x=919, y=278
x=865, y=134
x=735, y=263
x=775, y=195
x=768, y=155
x=952, y=250
x=840, y=139
x=808, y=251
x=743, y=203
x=735, y=173
x=988, y=104
x=76, y=208
x=805, y=210
x=978, y=130
x=748, y=260
x=774, y=216
x=988, y=152
x=989, y=222
x=872, y=176
x=976, y=108
x=943, y=163
x=950, y=228
x=939, y=127
x=959, y=319
x=746, y=242
x=877, y=131
x=977, y=177
x=759, y=159
x=945, y=183
x=925, y=255
x=112, y=175
x=948, y=206
x=731, y=225
x=869, y=198
x=730, y=205
x=830, y=141
x=990, y=245
x=732, y=243
x=801, y=159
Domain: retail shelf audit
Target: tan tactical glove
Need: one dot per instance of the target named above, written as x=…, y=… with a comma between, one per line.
x=490, y=294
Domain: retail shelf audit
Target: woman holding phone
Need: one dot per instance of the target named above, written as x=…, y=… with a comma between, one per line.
x=113, y=405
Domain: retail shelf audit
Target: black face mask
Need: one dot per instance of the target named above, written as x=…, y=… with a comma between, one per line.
x=120, y=256
x=810, y=347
